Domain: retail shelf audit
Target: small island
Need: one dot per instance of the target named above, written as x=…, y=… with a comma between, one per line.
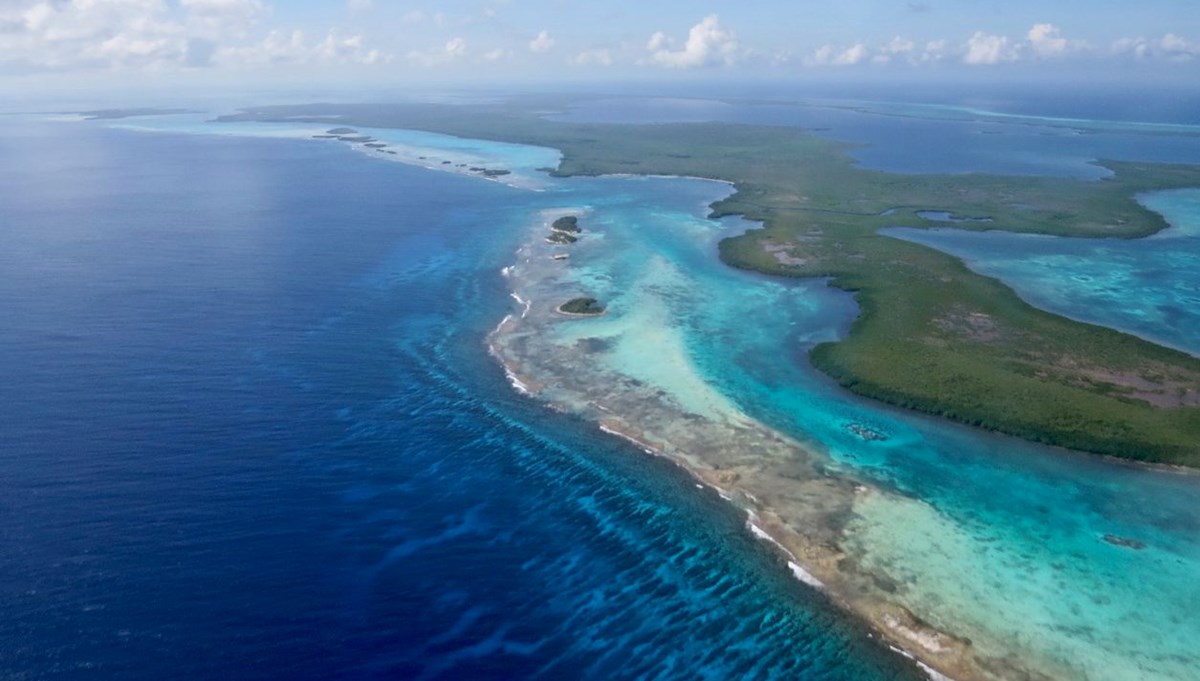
x=582, y=306
x=568, y=224
x=561, y=238
x=341, y=131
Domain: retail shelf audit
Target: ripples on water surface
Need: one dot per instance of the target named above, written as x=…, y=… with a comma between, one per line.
x=250, y=432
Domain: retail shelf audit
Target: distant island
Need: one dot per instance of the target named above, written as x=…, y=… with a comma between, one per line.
x=563, y=230
x=582, y=306
x=568, y=224
x=114, y=114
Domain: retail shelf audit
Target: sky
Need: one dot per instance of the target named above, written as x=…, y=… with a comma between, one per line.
x=106, y=43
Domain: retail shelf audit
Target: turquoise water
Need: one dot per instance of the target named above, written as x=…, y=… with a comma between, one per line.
x=1146, y=287
x=995, y=539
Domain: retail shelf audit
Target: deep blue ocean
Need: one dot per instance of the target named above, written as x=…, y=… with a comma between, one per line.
x=251, y=431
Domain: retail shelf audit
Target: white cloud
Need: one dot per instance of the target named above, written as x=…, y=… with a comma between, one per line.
x=456, y=47
x=453, y=50
x=293, y=48
x=851, y=56
x=659, y=41
x=1170, y=47
x=828, y=55
x=542, y=42
x=934, y=51
x=1132, y=47
x=496, y=54
x=596, y=57
x=708, y=44
x=897, y=48
x=1046, y=40
x=1178, y=49
x=899, y=45
x=984, y=48
x=348, y=50
x=74, y=35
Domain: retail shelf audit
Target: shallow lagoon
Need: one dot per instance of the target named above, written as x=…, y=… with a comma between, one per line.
x=1146, y=287
x=992, y=538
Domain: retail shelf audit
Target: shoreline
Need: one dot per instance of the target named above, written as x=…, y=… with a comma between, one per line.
x=808, y=550
x=884, y=622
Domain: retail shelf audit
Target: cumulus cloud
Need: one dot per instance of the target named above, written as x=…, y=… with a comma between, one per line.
x=58, y=35
x=1178, y=49
x=453, y=50
x=496, y=54
x=828, y=55
x=595, y=57
x=293, y=48
x=708, y=44
x=542, y=42
x=1170, y=47
x=1046, y=40
x=72, y=35
x=1043, y=41
x=934, y=51
x=984, y=48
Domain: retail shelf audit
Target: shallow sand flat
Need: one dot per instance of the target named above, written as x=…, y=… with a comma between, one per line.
x=930, y=584
x=779, y=481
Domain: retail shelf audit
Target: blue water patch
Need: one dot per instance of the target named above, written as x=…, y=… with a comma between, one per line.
x=251, y=432
x=1146, y=287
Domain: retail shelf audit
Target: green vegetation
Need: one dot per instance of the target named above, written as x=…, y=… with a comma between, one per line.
x=588, y=306
x=567, y=223
x=561, y=238
x=932, y=335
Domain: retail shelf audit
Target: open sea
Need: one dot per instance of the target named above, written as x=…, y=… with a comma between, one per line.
x=251, y=429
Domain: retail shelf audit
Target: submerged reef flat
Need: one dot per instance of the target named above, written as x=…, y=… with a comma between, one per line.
x=933, y=336
x=782, y=484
